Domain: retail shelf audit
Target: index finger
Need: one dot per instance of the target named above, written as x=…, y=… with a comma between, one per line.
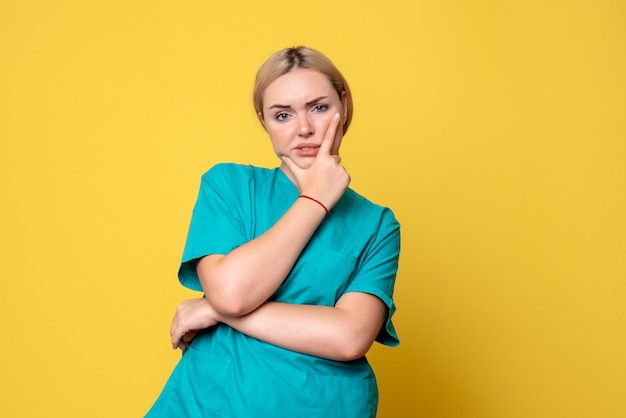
x=176, y=337
x=329, y=137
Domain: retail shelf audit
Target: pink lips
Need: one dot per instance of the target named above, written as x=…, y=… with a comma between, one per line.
x=307, y=150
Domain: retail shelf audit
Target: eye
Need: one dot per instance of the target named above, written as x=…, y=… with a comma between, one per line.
x=320, y=108
x=281, y=116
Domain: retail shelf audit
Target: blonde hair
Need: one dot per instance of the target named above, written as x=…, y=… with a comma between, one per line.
x=289, y=59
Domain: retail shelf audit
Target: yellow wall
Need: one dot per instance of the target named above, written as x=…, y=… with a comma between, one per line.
x=495, y=130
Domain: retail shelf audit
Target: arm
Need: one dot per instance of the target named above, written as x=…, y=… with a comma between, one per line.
x=343, y=332
x=239, y=282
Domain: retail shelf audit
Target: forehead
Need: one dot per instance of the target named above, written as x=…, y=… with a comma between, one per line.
x=298, y=85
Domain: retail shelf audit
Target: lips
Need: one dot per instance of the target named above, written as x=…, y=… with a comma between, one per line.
x=308, y=149
x=307, y=146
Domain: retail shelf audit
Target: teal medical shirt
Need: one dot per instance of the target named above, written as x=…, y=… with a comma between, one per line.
x=225, y=373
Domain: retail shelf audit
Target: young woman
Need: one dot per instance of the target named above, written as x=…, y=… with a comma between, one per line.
x=297, y=269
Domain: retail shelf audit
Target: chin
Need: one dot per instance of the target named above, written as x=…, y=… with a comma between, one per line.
x=300, y=162
x=304, y=164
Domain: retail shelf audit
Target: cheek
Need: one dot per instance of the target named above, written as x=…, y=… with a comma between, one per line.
x=322, y=124
x=278, y=134
x=338, y=137
x=337, y=144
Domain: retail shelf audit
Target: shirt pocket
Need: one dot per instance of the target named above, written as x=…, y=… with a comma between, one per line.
x=319, y=277
x=200, y=388
x=343, y=397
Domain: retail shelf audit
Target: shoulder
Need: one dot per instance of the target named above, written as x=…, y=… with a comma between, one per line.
x=233, y=173
x=233, y=169
x=353, y=204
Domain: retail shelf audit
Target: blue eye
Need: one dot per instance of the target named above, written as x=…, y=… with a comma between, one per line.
x=320, y=107
x=281, y=116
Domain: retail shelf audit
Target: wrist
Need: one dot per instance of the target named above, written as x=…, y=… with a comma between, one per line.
x=213, y=313
x=313, y=200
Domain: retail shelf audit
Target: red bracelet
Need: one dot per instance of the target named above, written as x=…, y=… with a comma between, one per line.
x=316, y=201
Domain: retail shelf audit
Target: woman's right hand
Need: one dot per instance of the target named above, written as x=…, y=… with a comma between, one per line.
x=191, y=316
x=326, y=179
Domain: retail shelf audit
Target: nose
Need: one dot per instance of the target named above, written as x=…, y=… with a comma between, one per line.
x=305, y=127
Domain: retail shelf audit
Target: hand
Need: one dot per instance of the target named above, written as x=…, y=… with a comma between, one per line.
x=326, y=179
x=191, y=316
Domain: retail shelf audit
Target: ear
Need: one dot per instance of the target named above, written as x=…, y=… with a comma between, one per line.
x=260, y=116
x=344, y=102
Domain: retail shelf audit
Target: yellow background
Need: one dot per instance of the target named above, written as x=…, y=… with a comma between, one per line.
x=495, y=130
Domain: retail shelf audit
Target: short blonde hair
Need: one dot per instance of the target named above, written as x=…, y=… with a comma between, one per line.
x=288, y=59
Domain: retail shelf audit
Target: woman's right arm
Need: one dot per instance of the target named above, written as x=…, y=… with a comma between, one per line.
x=239, y=282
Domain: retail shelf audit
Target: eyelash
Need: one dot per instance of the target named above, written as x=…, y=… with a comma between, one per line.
x=282, y=116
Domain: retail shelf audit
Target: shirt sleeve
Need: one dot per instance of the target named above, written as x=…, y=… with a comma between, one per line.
x=376, y=272
x=216, y=226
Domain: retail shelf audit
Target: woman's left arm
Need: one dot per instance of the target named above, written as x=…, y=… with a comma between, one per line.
x=343, y=332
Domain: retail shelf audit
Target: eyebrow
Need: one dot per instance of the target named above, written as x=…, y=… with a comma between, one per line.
x=309, y=103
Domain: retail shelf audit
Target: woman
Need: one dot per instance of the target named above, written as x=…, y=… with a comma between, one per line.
x=297, y=269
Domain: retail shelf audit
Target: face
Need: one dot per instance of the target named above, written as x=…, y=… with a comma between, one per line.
x=297, y=110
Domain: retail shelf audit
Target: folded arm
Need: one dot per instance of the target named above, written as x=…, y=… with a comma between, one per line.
x=237, y=283
x=343, y=332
